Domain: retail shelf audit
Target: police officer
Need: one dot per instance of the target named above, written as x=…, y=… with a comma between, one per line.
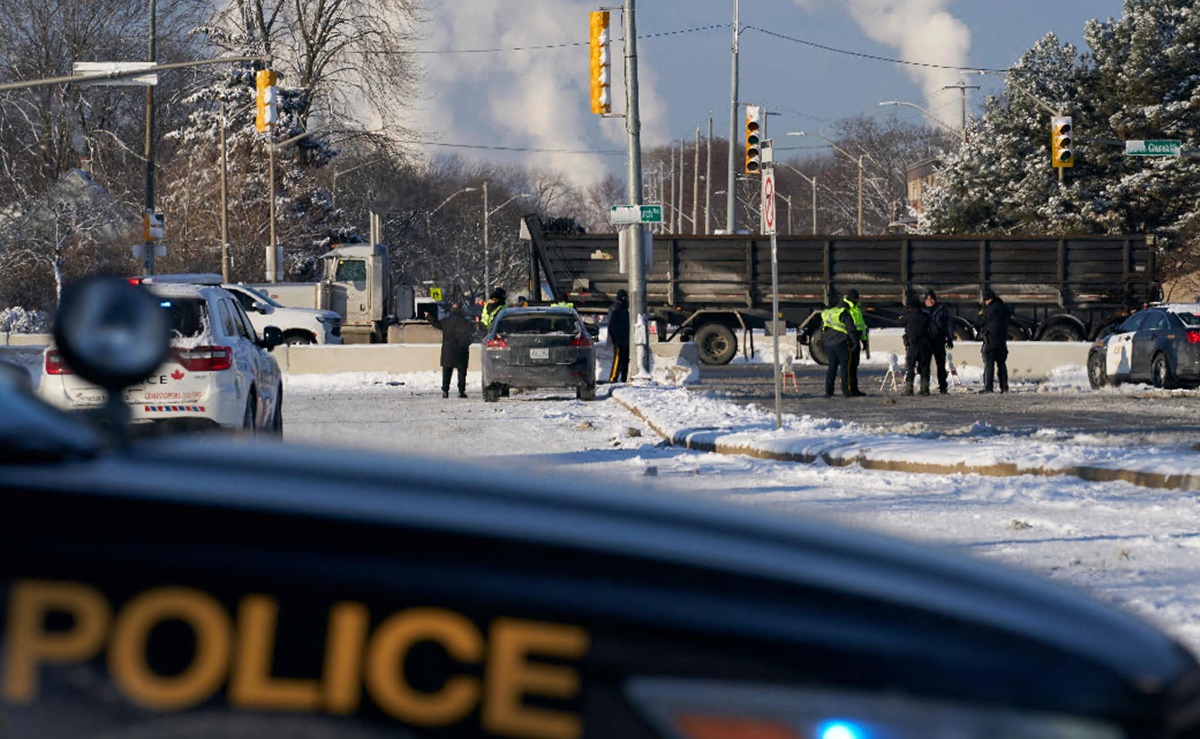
x=618, y=337
x=993, y=333
x=918, y=345
x=456, y=347
x=494, y=305
x=841, y=340
x=943, y=336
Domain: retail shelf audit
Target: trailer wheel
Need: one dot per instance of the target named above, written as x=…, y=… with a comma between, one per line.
x=816, y=347
x=716, y=343
x=1062, y=332
x=962, y=329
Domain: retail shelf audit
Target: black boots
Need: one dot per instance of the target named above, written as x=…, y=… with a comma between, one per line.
x=924, y=387
x=908, y=387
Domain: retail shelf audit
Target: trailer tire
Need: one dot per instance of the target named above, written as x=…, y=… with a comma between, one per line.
x=816, y=347
x=716, y=343
x=1063, y=332
x=962, y=329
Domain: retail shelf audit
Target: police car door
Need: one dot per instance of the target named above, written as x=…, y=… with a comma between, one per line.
x=266, y=369
x=1119, y=349
x=1149, y=337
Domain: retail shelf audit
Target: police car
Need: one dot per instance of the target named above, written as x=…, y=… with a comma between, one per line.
x=209, y=589
x=219, y=372
x=1159, y=345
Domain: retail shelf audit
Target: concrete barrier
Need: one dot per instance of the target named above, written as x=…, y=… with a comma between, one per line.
x=9, y=339
x=312, y=359
x=1027, y=360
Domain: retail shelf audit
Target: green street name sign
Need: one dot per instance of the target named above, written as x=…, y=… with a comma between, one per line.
x=1164, y=148
x=636, y=214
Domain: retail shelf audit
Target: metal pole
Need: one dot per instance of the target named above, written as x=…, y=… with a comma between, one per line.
x=679, y=209
x=271, y=266
x=696, y=186
x=708, y=179
x=639, y=336
x=731, y=185
x=487, y=273
x=860, y=195
x=224, y=201
x=814, y=206
x=148, y=246
x=669, y=216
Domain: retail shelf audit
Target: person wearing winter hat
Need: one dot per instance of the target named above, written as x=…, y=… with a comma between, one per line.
x=844, y=331
x=495, y=304
x=993, y=333
x=618, y=337
x=943, y=337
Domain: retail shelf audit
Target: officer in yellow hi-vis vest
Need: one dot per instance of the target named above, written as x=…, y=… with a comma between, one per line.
x=494, y=305
x=845, y=333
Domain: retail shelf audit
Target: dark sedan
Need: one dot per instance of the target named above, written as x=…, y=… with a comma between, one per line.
x=539, y=348
x=1159, y=345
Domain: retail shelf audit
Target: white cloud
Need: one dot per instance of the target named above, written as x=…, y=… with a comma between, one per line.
x=920, y=31
x=526, y=99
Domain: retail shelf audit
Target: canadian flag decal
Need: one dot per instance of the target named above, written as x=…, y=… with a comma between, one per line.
x=177, y=375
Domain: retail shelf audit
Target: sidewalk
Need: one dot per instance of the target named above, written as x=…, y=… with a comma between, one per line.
x=696, y=422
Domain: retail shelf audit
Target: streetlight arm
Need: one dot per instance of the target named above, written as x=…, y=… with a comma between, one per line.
x=452, y=196
x=924, y=112
x=506, y=202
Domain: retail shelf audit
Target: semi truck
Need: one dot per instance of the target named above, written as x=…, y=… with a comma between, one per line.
x=710, y=289
x=356, y=283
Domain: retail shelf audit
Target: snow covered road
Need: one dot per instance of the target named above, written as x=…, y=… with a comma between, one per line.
x=1131, y=545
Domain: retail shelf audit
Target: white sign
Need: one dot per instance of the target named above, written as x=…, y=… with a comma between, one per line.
x=768, y=201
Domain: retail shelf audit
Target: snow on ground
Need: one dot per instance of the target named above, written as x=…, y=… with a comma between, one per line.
x=1130, y=545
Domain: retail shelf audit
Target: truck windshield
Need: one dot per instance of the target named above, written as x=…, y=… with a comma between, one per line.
x=351, y=270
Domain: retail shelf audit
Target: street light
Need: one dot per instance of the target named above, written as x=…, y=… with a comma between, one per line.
x=487, y=214
x=858, y=159
x=429, y=215
x=813, y=182
x=787, y=200
x=928, y=115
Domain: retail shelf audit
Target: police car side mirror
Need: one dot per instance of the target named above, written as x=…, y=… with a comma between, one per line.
x=271, y=338
x=265, y=308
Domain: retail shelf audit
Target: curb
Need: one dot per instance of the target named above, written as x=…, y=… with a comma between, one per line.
x=1142, y=478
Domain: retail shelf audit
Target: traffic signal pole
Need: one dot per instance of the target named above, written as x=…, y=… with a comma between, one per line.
x=148, y=245
x=731, y=186
x=639, y=349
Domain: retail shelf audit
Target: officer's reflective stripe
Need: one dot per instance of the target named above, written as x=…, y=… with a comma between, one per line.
x=527, y=666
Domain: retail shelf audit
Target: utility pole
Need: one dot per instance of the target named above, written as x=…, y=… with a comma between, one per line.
x=708, y=179
x=731, y=185
x=639, y=336
x=962, y=87
x=679, y=209
x=224, y=202
x=696, y=186
x=670, y=215
x=148, y=254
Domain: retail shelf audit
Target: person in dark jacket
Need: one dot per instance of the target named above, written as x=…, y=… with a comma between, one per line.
x=618, y=337
x=841, y=340
x=993, y=333
x=918, y=345
x=457, y=334
x=943, y=337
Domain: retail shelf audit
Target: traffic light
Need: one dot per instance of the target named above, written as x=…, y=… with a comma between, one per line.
x=601, y=93
x=755, y=121
x=1061, y=152
x=268, y=108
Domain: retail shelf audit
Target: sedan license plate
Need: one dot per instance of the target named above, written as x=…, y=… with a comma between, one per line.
x=542, y=353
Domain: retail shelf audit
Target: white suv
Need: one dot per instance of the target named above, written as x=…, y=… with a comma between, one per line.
x=299, y=325
x=219, y=373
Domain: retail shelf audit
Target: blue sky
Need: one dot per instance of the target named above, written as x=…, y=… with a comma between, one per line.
x=537, y=98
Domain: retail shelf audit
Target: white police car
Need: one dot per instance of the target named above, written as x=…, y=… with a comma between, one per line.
x=218, y=373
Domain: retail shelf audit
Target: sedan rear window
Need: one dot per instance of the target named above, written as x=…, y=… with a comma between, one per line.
x=188, y=315
x=537, y=324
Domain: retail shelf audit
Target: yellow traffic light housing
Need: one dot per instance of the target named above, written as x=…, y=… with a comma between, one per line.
x=601, y=68
x=268, y=108
x=755, y=125
x=1062, y=152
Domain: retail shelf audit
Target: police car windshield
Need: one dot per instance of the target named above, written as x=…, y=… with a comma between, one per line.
x=187, y=315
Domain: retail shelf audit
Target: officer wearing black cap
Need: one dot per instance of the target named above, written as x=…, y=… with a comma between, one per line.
x=618, y=337
x=845, y=333
x=943, y=337
x=993, y=334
